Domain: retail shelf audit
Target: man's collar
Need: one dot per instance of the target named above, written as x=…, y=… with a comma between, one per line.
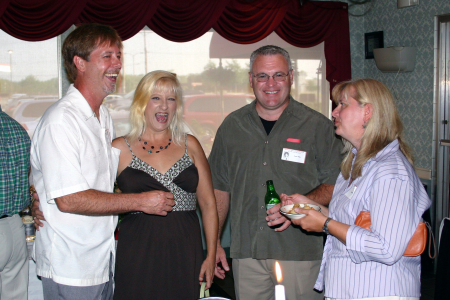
x=82, y=105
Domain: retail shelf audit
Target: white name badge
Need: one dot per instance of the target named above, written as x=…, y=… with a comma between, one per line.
x=350, y=192
x=293, y=155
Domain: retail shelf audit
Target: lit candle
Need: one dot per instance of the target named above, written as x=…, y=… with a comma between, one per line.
x=279, y=289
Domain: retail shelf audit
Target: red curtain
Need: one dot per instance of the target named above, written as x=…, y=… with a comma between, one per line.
x=37, y=20
x=240, y=21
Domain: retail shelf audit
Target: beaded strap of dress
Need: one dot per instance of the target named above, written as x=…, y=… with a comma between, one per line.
x=184, y=201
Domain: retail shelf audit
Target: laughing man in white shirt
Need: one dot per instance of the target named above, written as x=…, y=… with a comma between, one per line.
x=74, y=167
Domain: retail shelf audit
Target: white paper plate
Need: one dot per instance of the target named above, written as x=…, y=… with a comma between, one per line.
x=285, y=211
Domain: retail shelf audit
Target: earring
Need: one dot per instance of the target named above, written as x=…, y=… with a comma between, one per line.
x=365, y=125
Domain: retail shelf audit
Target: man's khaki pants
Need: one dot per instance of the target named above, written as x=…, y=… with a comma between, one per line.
x=256, y=279
x=13, y=259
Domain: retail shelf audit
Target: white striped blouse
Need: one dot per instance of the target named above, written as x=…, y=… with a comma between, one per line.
x=371, y=264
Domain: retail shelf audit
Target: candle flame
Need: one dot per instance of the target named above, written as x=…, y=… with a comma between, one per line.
x=278, y=272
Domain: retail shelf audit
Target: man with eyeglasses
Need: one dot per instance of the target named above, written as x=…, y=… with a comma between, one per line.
x=248, y=150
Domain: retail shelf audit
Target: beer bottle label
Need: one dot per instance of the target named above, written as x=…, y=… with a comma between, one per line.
x=270, y=205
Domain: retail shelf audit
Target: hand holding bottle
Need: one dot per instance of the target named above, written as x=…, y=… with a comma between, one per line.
x=273, y=204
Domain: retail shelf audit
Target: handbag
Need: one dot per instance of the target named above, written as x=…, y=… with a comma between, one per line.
x=418, y=241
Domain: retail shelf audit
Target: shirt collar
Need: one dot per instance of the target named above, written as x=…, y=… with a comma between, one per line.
x=83, y=106
x=289, y=107
x=385, y=152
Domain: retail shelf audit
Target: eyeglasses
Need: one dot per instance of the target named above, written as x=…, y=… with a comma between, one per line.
x=263, y=77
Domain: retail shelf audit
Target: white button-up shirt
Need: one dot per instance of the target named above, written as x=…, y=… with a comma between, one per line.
x=71, y=152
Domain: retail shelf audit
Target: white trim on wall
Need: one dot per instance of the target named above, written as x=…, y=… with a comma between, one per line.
x=423, y=173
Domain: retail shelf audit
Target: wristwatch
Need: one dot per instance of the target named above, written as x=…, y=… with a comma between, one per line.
x=325, y=226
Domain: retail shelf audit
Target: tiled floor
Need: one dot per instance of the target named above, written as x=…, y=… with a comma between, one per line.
x=225, y=287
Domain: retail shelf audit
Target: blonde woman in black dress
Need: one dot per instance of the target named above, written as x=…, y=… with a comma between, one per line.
x=161, y=257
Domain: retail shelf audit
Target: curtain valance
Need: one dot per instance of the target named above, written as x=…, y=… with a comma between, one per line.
x=240, y=21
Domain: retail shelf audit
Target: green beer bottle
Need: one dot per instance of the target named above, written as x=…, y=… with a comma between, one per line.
x=271, y=199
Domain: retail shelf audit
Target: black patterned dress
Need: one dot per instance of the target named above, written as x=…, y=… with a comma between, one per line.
x=160, y=257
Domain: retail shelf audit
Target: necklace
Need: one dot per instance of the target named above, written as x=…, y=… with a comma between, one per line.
x=152, y=148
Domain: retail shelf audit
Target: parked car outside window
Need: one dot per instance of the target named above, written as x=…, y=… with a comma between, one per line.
x=28, y=111
x=208, y=111
x=202, y=113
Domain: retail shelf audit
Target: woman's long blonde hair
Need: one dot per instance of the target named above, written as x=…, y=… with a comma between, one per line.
x=153, y=82
x=383, y=127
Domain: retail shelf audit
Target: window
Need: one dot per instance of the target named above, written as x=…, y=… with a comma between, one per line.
x=212, y=71
x=202, y=104
x=214, y=75
x=235, y=103
x=34, y=109
x=28, y=78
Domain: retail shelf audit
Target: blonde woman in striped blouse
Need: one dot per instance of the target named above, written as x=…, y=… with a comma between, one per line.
x=376, y=176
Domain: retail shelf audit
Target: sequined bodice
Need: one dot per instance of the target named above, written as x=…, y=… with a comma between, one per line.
x=181, y=180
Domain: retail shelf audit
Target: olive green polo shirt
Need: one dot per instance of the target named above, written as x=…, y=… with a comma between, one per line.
x=244, y=157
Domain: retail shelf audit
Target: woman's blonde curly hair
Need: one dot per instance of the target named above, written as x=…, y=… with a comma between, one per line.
x=156, y=82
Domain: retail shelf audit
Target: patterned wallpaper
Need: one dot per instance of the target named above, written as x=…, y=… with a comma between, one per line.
x=412, y=26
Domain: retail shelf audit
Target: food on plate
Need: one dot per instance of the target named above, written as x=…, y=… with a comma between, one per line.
x=299, y=205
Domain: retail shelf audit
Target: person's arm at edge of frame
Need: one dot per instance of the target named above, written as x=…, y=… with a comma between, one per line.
x=207, y=204
x=38, y=216
x=223, y=205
